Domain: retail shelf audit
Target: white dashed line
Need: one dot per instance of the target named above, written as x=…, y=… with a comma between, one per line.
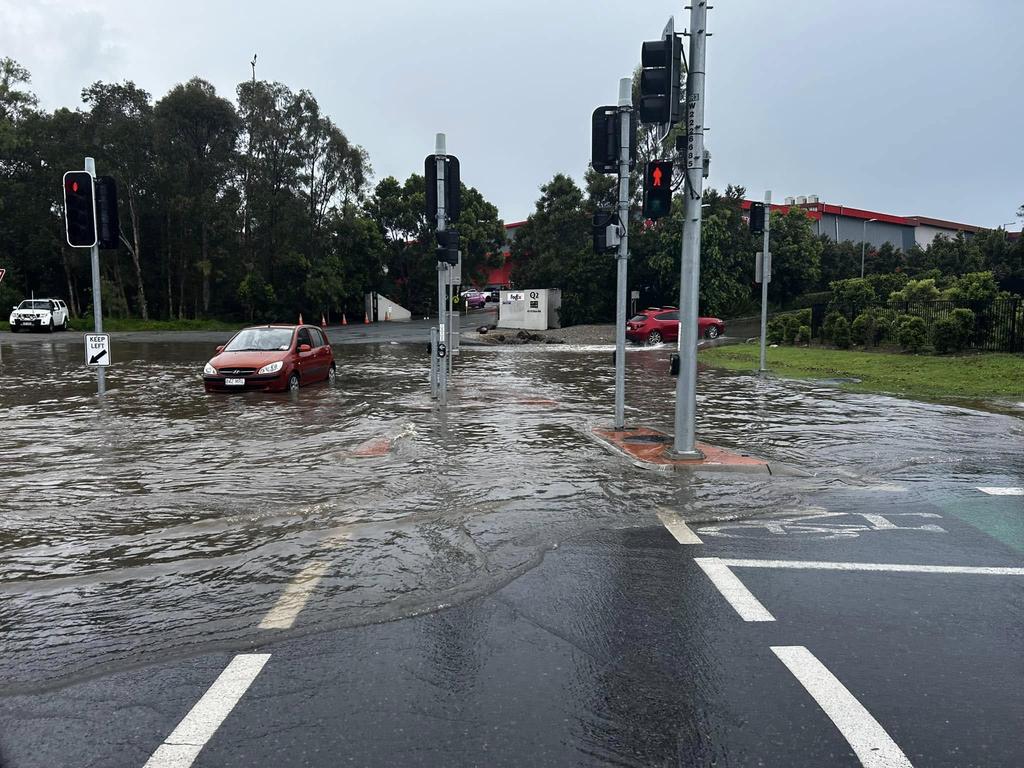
x=679, y=530
x=294, y=597
x=869, y=741
x=732, y=589
x=1003, y=491
x=967, y=570
x=187, y=740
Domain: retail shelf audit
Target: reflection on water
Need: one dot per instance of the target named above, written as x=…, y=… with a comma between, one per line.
x=163, y=517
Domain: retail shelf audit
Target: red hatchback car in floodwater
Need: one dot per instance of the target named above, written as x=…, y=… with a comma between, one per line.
x=271, y=358
x=658, y=324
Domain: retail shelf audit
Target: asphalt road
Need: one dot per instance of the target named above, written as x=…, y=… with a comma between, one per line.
x=788, y=640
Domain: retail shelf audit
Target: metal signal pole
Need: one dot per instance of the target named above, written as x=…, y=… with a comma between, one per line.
x=622, y=257
x=97, y=306
x=766, y=276
x=689, y=284
x=442, y=270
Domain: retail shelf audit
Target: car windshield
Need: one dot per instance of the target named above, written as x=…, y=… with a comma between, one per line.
x=29, y=304
x=261, y=340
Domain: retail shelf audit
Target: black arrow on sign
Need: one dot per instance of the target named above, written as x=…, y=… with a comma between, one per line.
x=97, y=357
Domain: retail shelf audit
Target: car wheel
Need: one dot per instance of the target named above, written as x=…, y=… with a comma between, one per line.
x=15, y=329
x=293, y=382
x=64, y=325
x=49, y=328
x=711, y=332
x=332, y=375
x=654, y=337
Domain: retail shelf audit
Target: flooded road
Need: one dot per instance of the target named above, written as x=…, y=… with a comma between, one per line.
x=163, y=520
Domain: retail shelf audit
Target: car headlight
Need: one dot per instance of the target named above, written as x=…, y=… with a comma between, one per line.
x=271, y=367
x=209, y=370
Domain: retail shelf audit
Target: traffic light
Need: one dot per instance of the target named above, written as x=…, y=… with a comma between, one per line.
x=108, y=225
x=659, y=80
x=452, y=187
x=448, y=246
x=606, y=139
x=658, y=189
x=756, y=218
x=79, y=209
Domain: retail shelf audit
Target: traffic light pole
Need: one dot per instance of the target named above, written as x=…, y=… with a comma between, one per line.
x=97, y=305
x=766, y=272
x=689, y=284
x=622, y=257
x=442, y=272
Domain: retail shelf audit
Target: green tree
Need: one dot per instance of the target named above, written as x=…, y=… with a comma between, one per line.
x=796, y=256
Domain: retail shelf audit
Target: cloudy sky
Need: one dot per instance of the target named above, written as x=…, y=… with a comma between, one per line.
x=899, y=106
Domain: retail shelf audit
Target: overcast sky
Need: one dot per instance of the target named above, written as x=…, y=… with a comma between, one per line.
x=900, y=106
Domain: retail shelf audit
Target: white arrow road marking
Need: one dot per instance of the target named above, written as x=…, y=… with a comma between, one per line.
x=186, y=741
x=679, y=530
x=967, y=570
x=732, y=589
x=1002, y=491
x=869, y=741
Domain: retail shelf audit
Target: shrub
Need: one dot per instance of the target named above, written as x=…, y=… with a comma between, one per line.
x=853, y=293
x=829, y=323
x=916, y=290
x=804, y=335
x=912, y=334
x=841, y=333
x=951, y=334
x=868, y=328
x=776, y=330
x=792, y=329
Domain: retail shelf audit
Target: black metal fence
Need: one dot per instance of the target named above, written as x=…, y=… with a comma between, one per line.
x=998, y=324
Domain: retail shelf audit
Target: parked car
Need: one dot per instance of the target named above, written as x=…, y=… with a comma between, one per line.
x=271, y=358
x=43, y=314
x=658, y=324
x=493, y=293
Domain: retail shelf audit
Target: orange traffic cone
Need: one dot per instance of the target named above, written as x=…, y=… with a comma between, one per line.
x=323, y=322
x=344, y=319
x=300, y=319
x=366, y=318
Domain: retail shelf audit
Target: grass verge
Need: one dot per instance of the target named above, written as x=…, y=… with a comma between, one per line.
x=987, y=375
x=135, y=324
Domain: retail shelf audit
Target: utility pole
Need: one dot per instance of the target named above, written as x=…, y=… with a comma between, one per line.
x=442, y=272
x=689, y=283
x=97, y=306
x=622, y=257
x=766, y=275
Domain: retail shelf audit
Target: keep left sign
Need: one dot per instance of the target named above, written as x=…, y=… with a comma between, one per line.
x=97, y=349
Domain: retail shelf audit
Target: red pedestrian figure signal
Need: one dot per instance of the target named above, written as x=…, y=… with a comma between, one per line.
x=658, y=189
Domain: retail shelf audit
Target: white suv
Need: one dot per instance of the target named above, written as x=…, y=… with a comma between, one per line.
x=46, y=314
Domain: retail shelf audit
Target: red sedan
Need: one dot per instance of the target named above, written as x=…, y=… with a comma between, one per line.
x=658, y=324
x=271, y=358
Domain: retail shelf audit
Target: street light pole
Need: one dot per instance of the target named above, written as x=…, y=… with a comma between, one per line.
x=863, y=236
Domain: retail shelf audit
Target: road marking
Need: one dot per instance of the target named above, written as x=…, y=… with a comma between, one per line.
x=181, y=748
x=680, y=530
x=732, y=589
x=884, y=567
x=870, y=742
x=294, y=597
x=1003, y=491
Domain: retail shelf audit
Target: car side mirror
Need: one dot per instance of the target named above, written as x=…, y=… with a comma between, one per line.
x=305, y=348
x=219, y=349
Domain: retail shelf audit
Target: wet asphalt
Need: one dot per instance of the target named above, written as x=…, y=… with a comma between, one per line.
x=618, y=650
x=499, y=590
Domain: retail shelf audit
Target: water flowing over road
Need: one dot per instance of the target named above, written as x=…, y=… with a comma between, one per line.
x=163, y=519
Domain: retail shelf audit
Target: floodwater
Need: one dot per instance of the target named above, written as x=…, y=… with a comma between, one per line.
x=163, y=520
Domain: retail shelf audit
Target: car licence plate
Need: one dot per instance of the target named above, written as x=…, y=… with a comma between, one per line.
x=235, y=382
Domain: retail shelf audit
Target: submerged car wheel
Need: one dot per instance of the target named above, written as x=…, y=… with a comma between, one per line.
x=49, y=328
x=293, y=382
x=654, y=337
x=332, y=375
x=712, y=332
x=64, y=325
